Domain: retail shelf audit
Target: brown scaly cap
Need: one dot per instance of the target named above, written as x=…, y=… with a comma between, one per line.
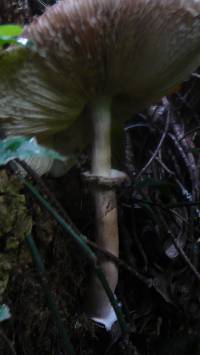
x=133, y=50
x=108, y=45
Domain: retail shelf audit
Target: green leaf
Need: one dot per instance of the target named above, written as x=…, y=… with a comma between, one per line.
x=4, y=312
x=9, y=34
x=23, y=148
x=7, y=40
x=10, y=30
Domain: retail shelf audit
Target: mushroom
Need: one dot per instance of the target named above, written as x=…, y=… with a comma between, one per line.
x=95, y=62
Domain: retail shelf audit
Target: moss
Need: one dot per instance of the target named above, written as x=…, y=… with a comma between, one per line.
x=15, y=224
x=5, y=269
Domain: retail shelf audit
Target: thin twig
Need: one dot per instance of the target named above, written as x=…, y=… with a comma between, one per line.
x=50, y=301
x=191, y=164
x=164, y=134
x=184, y=256
x=195, y=75
x=168, y=208
x=188, y=133
x=120, y=262
x=8, y=342
x=164, y=166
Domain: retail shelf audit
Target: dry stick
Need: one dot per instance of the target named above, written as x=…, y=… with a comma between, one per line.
x=189, y=133
x=193, y=171
x=164, y=134
x=181, y=251
x=180, y=185
x=184, y=256
x=49, y=299
x=195, y=75
x=165, y=167
x=170, y=172
x=178, y=247
x=8, y=342
x=168, y=208
x=120, y=262
x=192, y=167
x=181, y=151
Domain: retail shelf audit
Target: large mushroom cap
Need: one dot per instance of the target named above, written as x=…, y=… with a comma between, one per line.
x=134, y=51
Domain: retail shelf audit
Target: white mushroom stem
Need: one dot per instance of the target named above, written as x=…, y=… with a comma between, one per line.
x=99, y=307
